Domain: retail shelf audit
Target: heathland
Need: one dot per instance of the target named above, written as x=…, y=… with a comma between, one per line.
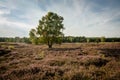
x=68, y=61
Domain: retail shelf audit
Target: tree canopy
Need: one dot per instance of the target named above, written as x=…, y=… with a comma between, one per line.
x=49, y=30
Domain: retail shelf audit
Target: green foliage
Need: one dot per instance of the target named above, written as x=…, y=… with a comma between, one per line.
x=16, y=39
x=88, y=40
x=3, y=46
x=49, y=30
x=33, y=36
x=40, y=55
x=102, y=39
x=11, y=47
x=97, y=40
x=70, y=39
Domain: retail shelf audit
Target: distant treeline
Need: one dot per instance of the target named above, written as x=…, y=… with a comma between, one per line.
x=66, y=39
x=73, y=39
x=16, y=39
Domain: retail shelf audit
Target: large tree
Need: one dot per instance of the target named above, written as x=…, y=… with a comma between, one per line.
x=50, y=29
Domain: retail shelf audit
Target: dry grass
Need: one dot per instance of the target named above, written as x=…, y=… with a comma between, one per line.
x=70, y=61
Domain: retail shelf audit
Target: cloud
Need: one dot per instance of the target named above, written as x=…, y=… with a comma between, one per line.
x=15, y=24
x=81, y=17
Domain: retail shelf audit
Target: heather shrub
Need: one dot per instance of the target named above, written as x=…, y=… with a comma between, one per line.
x=57, y=63
x=76, y=75
x=40, y=55
x=11, y=47
x=96, y=61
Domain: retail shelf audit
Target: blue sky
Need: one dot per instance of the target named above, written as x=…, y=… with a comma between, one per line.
x=90, y=18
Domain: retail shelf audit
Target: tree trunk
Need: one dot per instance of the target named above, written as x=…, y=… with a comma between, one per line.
x=50, y=46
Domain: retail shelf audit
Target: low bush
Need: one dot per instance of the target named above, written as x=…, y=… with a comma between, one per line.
x=40, y=55
x=11, y=47
x=4, y=51
x=99, y=62
x=76, y=75
x=56, y=63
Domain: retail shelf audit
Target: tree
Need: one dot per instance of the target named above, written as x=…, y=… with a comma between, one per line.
x=33, y=36
x=88, y=40
x=102, y=39
x=50, y=29
x=17, y=39
x=97, y=40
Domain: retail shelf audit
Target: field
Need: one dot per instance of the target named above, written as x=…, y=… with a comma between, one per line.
x=69, y=61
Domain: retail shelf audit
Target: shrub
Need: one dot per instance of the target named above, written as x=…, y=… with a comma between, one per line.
x=40, y=55
x=76, y=75
x=96, y=61
x=11, y=47
x=57, y=63
x=4, y=46
x=4, y=51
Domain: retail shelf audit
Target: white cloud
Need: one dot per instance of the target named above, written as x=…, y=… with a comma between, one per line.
x=12, y=28
x=80, y=17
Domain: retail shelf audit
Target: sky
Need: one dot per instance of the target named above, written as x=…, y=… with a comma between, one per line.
x=90, y=18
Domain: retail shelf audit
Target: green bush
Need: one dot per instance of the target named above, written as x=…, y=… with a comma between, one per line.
x=11, y=47
x=40, y=55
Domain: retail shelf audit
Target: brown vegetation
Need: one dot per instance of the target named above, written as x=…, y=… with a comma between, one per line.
x=70, y=61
